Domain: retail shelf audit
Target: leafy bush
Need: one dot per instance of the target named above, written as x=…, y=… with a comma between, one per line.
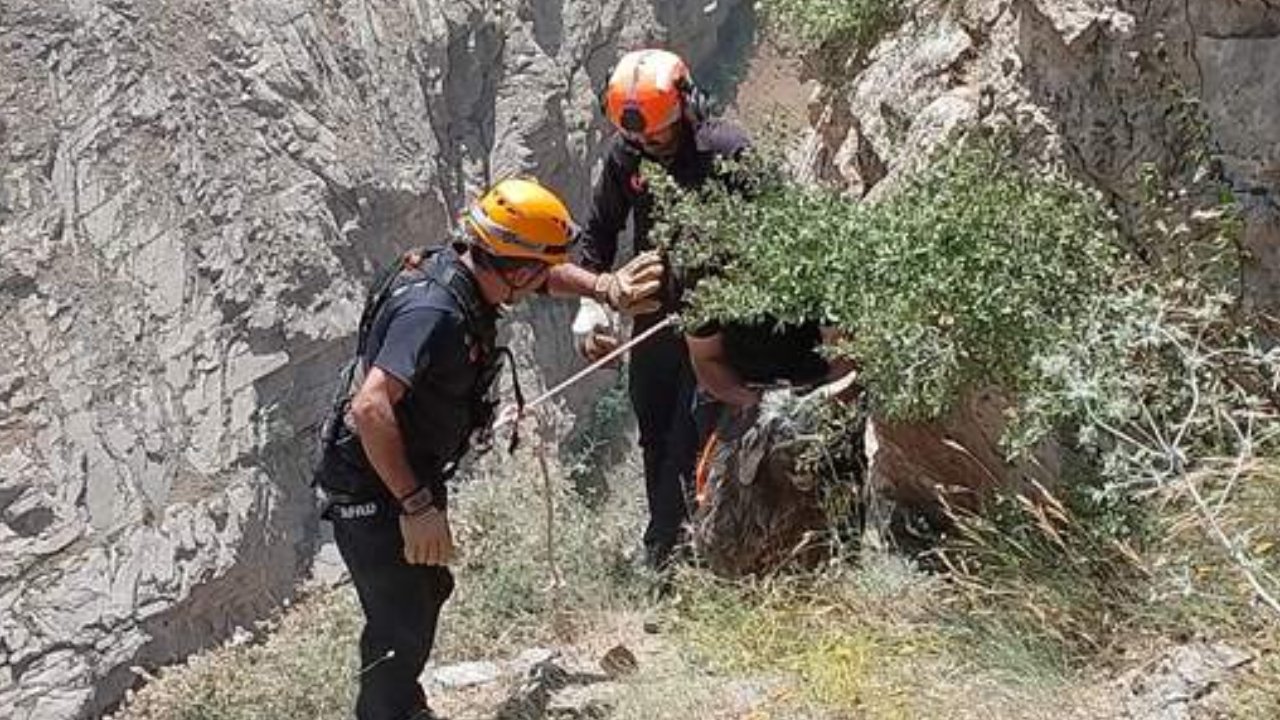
x=955, y=283
x=983, y=273
x=829, y=32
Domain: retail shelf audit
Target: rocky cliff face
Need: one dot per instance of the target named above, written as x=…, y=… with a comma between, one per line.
x=1114, y=88
x=191, y=198
x=1118, y=90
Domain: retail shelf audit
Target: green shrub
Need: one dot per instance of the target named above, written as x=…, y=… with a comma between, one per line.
x=829, y=32
x=954, y=283
x=600, y=441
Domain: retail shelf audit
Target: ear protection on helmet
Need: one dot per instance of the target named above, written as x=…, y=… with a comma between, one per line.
x=697, y=104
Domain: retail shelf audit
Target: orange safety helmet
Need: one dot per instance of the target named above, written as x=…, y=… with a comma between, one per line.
x=647, y=91
x=522, y=220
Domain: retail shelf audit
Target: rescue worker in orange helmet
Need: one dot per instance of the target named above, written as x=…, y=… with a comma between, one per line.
x=420, y=385
x=658, y=114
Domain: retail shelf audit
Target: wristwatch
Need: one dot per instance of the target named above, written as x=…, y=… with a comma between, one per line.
x=418, y=502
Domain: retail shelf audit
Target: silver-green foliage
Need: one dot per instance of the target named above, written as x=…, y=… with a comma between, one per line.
x=954, y=283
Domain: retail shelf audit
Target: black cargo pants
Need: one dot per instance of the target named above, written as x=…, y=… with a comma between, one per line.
x=401, y=604
x=662, y=387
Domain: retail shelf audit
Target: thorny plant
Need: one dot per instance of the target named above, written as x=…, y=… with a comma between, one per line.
x=1193, y=411
x=982, y=272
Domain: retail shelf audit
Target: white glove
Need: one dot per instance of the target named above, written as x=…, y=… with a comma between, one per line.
x=594, y=333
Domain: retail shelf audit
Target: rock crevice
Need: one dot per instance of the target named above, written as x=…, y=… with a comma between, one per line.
x=192, y=197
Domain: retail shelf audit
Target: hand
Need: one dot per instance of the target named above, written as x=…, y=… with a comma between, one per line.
x=633, y=288
x=428, y=540
x=506, y=416
x=598, y=342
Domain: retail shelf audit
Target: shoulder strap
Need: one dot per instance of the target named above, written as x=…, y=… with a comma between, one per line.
x=464, y=292
x=384, y=285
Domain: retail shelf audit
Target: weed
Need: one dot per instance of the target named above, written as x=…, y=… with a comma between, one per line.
x=306, y=664
x=832, y=35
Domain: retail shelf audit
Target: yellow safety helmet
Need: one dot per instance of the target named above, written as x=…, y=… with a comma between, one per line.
x=522, y=220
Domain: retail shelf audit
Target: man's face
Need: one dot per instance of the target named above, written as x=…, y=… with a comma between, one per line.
x=524, y=280
x=661, y=144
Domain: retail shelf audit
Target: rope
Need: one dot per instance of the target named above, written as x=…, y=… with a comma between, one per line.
x=546, y=431
x=579, y=376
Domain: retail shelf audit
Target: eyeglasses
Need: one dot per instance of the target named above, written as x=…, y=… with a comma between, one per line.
x=516, y=264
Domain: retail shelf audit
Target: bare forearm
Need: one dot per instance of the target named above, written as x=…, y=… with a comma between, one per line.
x=384, y=446
x=571, y=281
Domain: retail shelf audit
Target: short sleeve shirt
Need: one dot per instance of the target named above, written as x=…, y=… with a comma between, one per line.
x=766, y=352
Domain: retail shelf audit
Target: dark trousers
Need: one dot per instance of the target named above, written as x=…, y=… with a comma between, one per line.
x=401, y=604
x=662, y=386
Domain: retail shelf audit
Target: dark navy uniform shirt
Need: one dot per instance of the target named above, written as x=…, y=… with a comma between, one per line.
x=766, y=352
x=421, y=337
x=620, y=191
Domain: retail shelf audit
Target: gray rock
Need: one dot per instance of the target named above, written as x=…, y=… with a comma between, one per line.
x=192, y=197
x=522, y=664
x=1241, y=95
x=619, y=661
x=466, y=674
x=1171, y=687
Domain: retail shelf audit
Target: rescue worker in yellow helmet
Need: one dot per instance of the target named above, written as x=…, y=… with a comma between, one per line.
x=420, y=386
x=660, y=115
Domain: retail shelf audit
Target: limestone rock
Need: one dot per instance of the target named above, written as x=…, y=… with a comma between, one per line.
x=619, y=661
x=1109, y=89
x=1180, y=681
x=192, y=196
x=467, y=674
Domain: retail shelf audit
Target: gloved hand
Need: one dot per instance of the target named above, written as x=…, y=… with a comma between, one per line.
x=633, y=288
x=598, y=342
x=593, y=333
x=428, y=540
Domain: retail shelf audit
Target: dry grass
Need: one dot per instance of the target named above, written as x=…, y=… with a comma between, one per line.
x=306, y=667
x=861, y=643
x=304, y=663
x=507, y=594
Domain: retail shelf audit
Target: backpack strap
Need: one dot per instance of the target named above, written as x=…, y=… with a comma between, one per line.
x=389, y=282
x=464, y=292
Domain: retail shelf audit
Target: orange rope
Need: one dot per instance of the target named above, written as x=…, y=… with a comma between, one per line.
x=702, y=475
